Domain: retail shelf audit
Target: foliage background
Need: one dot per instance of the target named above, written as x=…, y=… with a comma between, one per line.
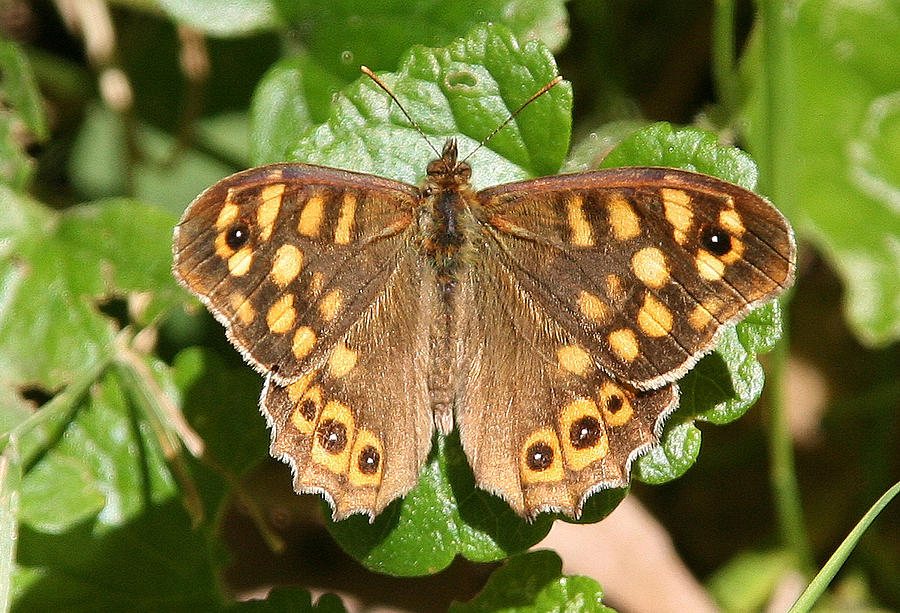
x=107, y=134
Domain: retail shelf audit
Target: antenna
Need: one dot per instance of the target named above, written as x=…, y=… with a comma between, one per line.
x=368, y=72
x=365, y=70
x=513, y=115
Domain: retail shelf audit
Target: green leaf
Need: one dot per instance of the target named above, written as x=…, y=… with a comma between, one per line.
x=217, y=18
x=687, y=148
x=533, y=583
x=56, y=269
x=746, y=583
x=154, y=562
x=823, y=119
x=679, y=449
x=293, y=95
x=464, y=90
x=22, y=112
x=159, y=173
x=239, y=441
x=344, y=34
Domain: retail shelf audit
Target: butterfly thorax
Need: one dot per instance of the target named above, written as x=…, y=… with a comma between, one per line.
x=445, y=214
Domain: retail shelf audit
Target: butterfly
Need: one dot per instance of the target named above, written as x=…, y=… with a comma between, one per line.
x=549, y=320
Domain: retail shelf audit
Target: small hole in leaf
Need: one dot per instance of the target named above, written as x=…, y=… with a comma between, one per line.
x=115, y=308
x=460, y=80
x=36, y=395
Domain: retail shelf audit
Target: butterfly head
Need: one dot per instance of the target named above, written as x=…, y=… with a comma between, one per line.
x=448, y=172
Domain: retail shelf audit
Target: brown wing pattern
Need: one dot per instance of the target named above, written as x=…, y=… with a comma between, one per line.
x=541, y=425
x=642, y=266
x=288, y=254
x=359, y=428
x=315, y=275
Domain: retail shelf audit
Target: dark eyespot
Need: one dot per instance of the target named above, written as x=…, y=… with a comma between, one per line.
x=539, y=456
x=369, y=459
x=308, y=409
x=614, y=403
x=237, y=235
x=715, y=240
x=332, y=436
x=585, y=432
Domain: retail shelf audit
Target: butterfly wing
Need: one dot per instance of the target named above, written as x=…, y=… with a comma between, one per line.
x=287, y=254
x=541, y=425
x=302, y=266
x=359, y=428
x=643, y=266
x=591, y=295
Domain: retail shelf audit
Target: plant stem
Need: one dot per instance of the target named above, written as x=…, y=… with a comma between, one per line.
x=723, y=58
x=777, y=62
x=818, y=585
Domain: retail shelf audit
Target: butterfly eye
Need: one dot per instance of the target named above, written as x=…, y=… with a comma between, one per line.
x=715, y=240
x=237, y=235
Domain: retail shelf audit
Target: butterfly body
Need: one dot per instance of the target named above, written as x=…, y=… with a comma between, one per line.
x=549, y=320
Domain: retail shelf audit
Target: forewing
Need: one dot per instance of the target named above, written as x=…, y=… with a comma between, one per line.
x=642, y=266
x=288, y=257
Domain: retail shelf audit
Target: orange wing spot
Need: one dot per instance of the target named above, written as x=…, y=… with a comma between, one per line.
x=614, y=288
x=345, y=219
x=281, y=315
x=366, y=459
x=268, y=209
x=539, y=459
x=649, y=265
x=242, y=308
x=625, y=344
x=304, y=341
x=616, y=405
x=731, y=221
x=677, y=204
x=297, y=389
x=331, y=304
x=222, y=248
x=574, y=359
x=735, y=253
x=623, y=220
x=333, y=439
x=709, y=266
x=288, y=264
x=582, y=234
x=239, y=263
x=311, y=216
x=654, y=318
x=592, y=307
x=307, y=404
x=699, y=317
x=342, y=361
x=228, y=213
